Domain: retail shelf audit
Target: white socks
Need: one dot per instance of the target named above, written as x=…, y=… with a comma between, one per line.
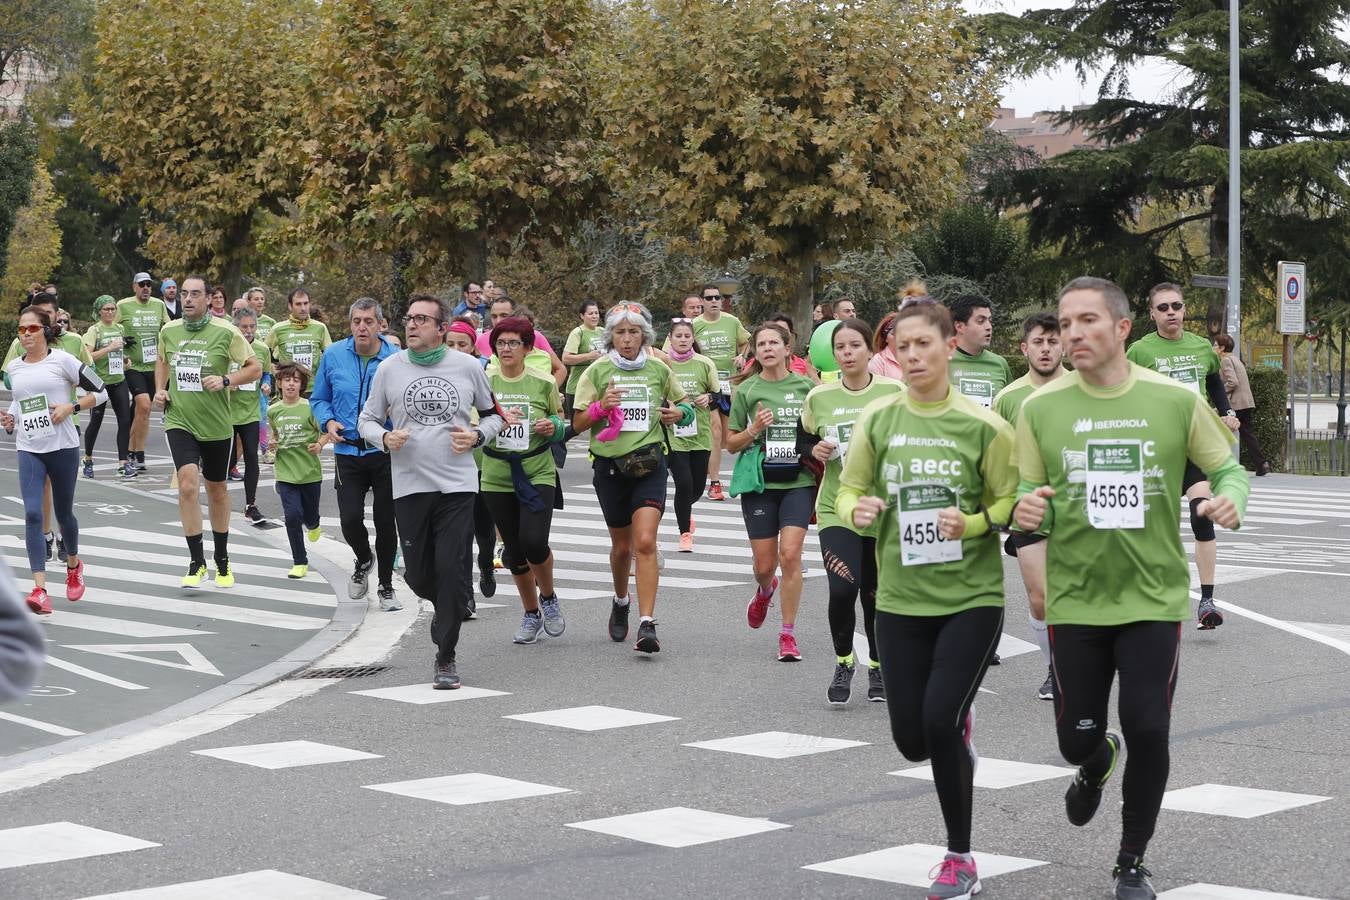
x=1042, y=635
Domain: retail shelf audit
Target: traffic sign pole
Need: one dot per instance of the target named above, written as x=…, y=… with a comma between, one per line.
x=1291, y=313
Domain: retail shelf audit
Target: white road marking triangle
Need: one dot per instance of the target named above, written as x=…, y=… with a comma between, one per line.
x=193, y=659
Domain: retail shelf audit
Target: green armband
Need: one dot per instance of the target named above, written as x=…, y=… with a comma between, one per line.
x=688, y=413
x=559, y=429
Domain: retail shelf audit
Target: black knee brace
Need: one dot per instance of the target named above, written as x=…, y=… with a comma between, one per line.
x=520, y=568
x=1201, y=527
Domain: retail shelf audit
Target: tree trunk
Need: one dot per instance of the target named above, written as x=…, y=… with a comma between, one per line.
x=1217, y=309
x=472, y=256
x=804, y=293
x=238, y=246
x=399, y=289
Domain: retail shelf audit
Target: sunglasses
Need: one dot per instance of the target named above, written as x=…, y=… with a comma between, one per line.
x=626, y=308
x=29, y=329
x=1175, y=306
x=682, y=321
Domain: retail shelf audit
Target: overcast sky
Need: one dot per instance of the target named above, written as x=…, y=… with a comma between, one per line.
x=1061, y=88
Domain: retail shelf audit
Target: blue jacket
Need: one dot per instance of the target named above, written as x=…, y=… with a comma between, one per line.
x=341, y=386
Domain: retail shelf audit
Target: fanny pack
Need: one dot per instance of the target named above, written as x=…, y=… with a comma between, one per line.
x=778, y=472
x=639, y=463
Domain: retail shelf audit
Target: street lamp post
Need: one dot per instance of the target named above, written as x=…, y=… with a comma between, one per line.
x=1234, y=307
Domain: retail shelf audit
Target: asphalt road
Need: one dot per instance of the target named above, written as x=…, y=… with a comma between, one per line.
x=1259, y=739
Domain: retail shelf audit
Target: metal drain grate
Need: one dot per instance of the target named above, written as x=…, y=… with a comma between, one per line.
x=343, y=672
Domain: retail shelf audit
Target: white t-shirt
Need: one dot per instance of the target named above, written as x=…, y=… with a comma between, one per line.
x=51, y=378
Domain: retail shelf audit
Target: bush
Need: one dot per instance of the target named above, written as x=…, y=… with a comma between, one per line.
x=1269, y=390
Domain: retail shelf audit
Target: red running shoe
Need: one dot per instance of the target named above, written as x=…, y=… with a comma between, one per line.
x=39, y=602
x=758, y=608
x=787, y=649
x=715, y=491
x=75, y=582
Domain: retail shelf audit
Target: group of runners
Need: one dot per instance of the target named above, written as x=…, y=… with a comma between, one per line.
x=913, y=456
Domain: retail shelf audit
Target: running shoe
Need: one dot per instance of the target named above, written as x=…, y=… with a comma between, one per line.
x=758, y=607
x=1047, y=691
x=359, y=584
x=88, y=467
x=686, y=542
x=252, y=513
x=497, y=556
x=956, y=880
x=470, y=609
x=787, y=648
x=996, y=660
x=1208, y=615
x=127, y=470
x=841, y=685
x=554, y=623
x=75, y=581
x=314, y=534
x=647, y=642
x=715, y=491
x=1083, y=796
x=269, y=457
x=195, y=573
x=1132, y=882
x=140, y=461
x=530, y=626
x=235, y=474
x=39, y=602
x=487, y=582
x=225, y=575
x=51, y=545
x=618, y=621
x=61, y=553
x=299, y=570
x=876, y=689
x=388, y=601
x=446, y=677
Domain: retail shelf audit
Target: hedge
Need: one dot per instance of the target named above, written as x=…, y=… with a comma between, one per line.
x=1270, y=391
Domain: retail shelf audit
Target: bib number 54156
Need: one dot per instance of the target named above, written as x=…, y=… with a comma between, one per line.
x=1115, y=484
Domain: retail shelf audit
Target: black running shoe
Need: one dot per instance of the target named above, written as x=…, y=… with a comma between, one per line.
x=61, y=553
x=51, y=545
x=618, y=622
x=253, y=514
x=841, y=685
x=487, y=583
x=1047, y=691
x=1084, y=796
x=996, y=660
x=647, y=642
x=876, y=688
x=1207, y=615
x=1132, y=882
x=446, y=677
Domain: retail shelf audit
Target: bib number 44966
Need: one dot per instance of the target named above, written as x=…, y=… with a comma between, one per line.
x=1115, y=484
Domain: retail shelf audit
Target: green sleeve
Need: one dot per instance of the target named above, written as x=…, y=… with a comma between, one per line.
x=1002, y=406
x=91, y=337
x=713, y=384
x=240, y=351
x=855, y=481
x=271, y=340
x=1007, y=371
x=586, y=390
x=1134, y=356
x=738, y=416
x=673, y=392
x=1212, y=364
x=1000, y=482
x=553, y=401
x=1208, y=446
x=666, y=345
x=1030, y=467
x=573, y=342
x=808, y=416
x=327, y=338
x=742, y=336
x=15, y=349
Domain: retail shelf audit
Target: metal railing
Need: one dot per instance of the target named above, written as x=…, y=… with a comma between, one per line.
x=1320, y=452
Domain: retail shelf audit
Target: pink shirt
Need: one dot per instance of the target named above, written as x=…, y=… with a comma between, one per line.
x=884, y=364
x=540, y=343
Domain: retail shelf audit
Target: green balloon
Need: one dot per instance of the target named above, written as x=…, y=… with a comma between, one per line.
x=822, y=347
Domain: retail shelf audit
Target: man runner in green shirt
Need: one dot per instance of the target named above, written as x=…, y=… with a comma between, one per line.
x=192, y=381
x=1045, y=362
x=1101, y=453
x=722, y=338
x=976, y=372
x=299, y=339
x=141, y=317
x=1191, y=360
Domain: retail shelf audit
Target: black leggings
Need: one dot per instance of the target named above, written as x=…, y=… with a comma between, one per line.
x=119, y=398
x=248, y=435
x=689, y=470
x=1085, y=661
x=524, y=533
x=432, y=527
x=931, y=667
x=300, y=511
x=850, y=569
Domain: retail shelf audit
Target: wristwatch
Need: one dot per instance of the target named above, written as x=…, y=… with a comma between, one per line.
x=480, y=440
x=227, y=380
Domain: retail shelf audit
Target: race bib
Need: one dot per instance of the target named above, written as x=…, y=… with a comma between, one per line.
x=303, y=355
x=1115, y=484
x=251, y=386
x=150, y=349
x=35, y=417
x=839, y=435
x=688, y=431
x=780, y=443
x=187, y=373
x=516, y=438
x=635, y=408
x=921, y=543
x=1189, y=376
x=977, y=389
x=724, y=383
x=116, y=363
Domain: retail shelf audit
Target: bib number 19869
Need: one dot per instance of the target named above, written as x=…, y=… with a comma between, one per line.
x=921, y=543
x=1115, y=484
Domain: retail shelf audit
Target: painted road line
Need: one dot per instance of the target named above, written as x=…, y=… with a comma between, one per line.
x=264, y=618
x=126, y=555
x=59, y=730
x=237, y=548
x=672, y=562
x=95, y=676
x=63, y=618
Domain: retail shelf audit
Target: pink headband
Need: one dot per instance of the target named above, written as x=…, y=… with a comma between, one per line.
x=464, y=328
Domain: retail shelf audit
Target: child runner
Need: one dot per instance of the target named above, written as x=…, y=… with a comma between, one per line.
x=297, y=441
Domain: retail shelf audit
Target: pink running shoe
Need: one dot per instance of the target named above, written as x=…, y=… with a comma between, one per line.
x=956, y=880
x=39, y=602
x=75, y=582
x=787, y=649
x=758, y=608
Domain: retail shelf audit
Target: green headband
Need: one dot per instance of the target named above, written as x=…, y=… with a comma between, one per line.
x=102, y=301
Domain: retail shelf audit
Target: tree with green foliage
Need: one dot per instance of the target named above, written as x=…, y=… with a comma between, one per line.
x=194, y=106
x=441, y=132
x=35, y=242
x=1122, y=210
x=47, y=35
x=18, y=155
x=789, y=133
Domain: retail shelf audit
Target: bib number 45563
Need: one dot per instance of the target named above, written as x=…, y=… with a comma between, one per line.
x=1115, y=484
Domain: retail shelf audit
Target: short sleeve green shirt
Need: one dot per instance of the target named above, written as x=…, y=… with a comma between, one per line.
x=191, y=356
x=582, y=340
x=265, y=325
x=643, y=391
x=293, y=429
x=696, y=376
x=532, y=397
x=143, y=321
x=299, y=344
x=112, y=366
x=831, y=411
x=1188, y=360
x=785, y=398
x=979, y=377
x=244, y=403
x=718, y=341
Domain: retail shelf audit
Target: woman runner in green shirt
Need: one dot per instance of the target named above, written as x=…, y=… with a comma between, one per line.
x=106, y=342
x=764, y=410
x=690, y=445
x=626, y=399
x=932, y=470
x=850, y=556
x=518, y=479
